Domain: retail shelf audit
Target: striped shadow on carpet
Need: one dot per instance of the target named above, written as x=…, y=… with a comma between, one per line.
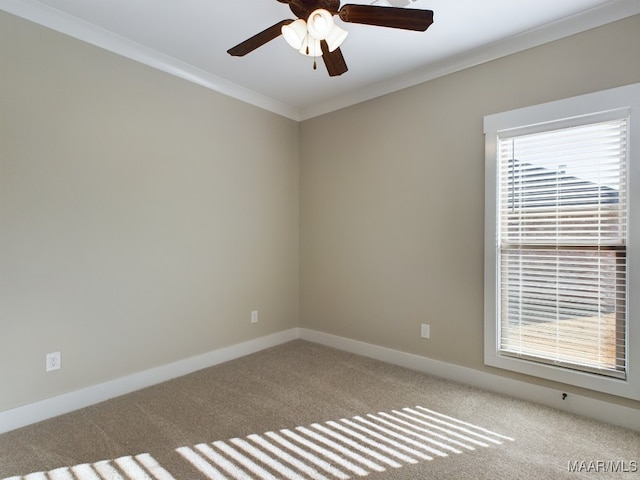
x=334, y=450
x=140, y=467
x=341, y=449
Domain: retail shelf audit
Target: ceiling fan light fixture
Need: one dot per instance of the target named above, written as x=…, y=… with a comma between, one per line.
x=295, y=33
x=336, y=37
x=311, y=47
x=320, y=24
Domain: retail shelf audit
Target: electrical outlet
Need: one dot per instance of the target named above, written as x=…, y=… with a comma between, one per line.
x=54, y=361
x=254, y=316
x=425, y=330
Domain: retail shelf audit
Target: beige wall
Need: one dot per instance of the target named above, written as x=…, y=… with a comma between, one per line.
x=142, y=217
x=392, y=196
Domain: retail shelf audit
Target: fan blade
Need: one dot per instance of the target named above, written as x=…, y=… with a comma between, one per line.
x=334, y=61
x=393, y=17
x=250, y=44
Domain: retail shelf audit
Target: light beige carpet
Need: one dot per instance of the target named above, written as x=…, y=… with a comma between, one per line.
x=304, y=411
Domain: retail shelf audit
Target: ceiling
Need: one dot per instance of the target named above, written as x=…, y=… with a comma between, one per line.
x=189, y=38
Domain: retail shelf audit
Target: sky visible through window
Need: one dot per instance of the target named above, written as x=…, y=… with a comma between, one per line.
x=574, y=151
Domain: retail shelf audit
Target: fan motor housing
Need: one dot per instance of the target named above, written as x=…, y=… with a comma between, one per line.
x=303, y=8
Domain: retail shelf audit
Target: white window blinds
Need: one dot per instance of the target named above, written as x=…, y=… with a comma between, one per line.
x=562, y=237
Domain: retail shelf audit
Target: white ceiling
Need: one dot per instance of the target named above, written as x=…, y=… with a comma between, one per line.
x=189, y=38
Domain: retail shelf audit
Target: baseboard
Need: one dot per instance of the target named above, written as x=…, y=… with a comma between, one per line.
x=61, y=404
x=577, y=404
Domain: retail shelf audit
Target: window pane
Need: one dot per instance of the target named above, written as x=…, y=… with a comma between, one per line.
x=562, y=228
x=565, y=306
x=565, y=186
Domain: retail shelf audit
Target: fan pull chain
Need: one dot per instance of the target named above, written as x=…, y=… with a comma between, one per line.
x=314, y=58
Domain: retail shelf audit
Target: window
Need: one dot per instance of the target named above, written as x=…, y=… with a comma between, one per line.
x=558, y=251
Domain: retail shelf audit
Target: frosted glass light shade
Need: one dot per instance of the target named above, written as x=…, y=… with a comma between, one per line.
x=320, y=23
x=295, y=33
x=336, y=37
x=314, y=49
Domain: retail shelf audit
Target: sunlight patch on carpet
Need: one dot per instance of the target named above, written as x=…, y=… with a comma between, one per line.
x=341, y=449
x=140, y=467
x=333, y=450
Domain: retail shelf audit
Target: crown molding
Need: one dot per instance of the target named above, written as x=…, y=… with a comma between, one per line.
x=36, y=12
x=608, y=13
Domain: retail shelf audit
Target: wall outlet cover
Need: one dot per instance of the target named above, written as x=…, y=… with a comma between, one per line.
x=54, y=361
x=425, y=330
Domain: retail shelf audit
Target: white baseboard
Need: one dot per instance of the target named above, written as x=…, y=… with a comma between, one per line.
x=578, y=404
x=52, y=407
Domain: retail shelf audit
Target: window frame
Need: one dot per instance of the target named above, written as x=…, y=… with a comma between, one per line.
x=551, y=115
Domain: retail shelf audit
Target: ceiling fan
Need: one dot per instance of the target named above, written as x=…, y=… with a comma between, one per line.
x=315, y=34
